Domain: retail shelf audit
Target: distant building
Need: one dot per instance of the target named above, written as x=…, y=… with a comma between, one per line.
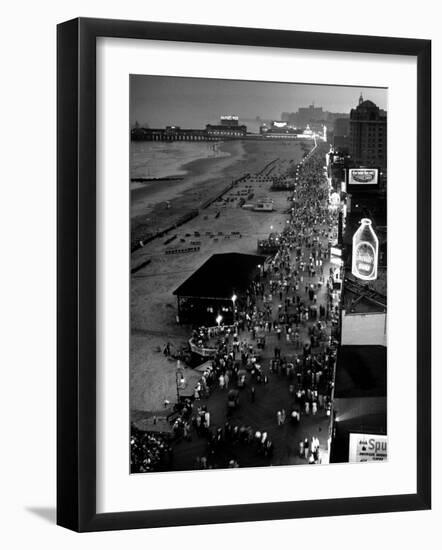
x=312, y=115
x=341, y=134
x=341, y=127
x=229, y=128
x=305, y=115
x=280, y=129
x=279, y=124
x=229, y=120
x=368, y=135
x=170, y=133
x=224, y=130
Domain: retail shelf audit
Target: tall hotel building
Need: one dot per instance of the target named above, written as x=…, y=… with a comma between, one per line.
x=368, y=136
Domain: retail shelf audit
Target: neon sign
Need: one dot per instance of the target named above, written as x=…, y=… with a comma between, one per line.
x=365, y=252
x=363, y=176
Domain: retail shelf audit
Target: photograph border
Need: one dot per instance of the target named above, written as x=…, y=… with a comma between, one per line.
x=77, y=286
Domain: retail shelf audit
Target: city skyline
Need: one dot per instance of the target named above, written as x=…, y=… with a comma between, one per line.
x=160, y=101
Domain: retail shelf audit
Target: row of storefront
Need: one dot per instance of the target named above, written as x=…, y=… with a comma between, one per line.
x=358, y=428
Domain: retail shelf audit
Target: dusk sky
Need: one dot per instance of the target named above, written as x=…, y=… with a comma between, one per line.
x=194, y=102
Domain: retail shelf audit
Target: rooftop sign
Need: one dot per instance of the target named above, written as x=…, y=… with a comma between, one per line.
x=363, y=176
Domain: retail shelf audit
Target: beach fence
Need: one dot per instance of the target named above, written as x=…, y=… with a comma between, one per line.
x=182, y=250
x=186, y=217
x=140, y=266
x=268, y=166
x=226, y=189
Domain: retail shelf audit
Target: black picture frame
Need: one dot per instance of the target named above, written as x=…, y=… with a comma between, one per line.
x=76, y=274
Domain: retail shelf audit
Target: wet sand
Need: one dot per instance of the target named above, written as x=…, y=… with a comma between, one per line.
x=146, y=197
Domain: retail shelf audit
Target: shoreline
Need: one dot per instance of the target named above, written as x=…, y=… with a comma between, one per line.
x=159, y=206
x=188, y=171
x=169, y=159
x=160, y=203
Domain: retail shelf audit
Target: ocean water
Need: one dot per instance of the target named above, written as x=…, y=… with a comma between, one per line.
x=161, y=159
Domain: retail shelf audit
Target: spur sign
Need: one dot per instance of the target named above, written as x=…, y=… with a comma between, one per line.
x=367, y=448
x=363, y=176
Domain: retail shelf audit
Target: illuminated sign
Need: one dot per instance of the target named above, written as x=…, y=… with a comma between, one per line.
x=363, y=176
x=229, y=117
x=367, y=448
x=278, y=124
x=365, y=252
x=335, y=251
x=336, y=261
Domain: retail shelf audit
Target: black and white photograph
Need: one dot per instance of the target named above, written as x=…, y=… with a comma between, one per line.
x=219, y=288
x=258, y=274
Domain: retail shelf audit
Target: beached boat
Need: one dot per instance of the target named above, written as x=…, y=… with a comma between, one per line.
x=263, y=206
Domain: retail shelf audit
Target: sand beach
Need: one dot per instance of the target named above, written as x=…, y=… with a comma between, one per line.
x=158, y=204
x=153, y=305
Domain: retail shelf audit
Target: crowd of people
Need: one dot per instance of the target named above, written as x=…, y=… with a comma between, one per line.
x=293, y=304
x=149, y=452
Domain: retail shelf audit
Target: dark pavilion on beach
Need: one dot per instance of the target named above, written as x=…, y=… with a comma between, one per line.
x=209, y=295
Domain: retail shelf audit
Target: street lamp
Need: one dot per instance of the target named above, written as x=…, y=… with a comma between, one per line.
x=219, y=319
x=234, y=297
x=179, y=379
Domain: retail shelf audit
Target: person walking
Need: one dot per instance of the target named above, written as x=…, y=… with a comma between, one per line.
x=306, y=448
x=196, y=391
x=279, y=418
x=207, y=420
x=166, y=350
x=301, y=448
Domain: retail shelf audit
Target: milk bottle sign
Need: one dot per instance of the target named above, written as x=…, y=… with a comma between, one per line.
x=365, y=252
